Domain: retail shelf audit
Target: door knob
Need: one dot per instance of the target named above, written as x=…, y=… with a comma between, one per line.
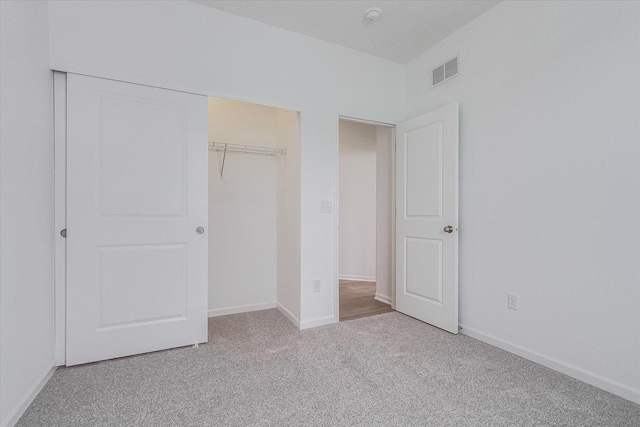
x=448, y=229
x=200, y=230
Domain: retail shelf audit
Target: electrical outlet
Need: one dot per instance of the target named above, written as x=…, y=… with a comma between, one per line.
x=316, y=285
x=512, y=301
x=325, y=206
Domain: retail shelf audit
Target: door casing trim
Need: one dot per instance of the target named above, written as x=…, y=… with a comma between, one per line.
x=60, y=215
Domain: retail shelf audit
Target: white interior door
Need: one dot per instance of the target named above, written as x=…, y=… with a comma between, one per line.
x=427, y=218
x=136, y=193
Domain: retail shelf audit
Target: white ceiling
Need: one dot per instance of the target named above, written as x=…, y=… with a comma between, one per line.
x=406, y=29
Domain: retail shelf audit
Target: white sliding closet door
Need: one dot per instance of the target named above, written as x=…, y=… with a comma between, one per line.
x=136, y=197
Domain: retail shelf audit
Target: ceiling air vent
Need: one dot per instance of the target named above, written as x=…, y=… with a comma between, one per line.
x=444, y=72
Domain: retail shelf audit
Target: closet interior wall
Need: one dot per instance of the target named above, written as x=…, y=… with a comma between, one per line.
x=254, y=211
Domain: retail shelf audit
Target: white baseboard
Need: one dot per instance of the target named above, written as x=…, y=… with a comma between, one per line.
x=21, y=407
x=355, y=278
x=606, y=384
x=319, y=321
x=289, y=315
x=383, y=298
x=215, y=312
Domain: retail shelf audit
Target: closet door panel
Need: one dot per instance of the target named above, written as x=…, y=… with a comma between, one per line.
x=136, y=193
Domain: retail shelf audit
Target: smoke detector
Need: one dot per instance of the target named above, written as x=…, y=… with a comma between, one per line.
x=373, y=14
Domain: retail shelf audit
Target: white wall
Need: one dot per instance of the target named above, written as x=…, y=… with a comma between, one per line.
x=288, y=135
x=384, y=213
x=215, y=53
x=242, y=210
x=358, y=146
x=26, y=205
x=549, y=181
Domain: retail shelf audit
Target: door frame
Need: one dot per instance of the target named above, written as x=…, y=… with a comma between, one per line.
x=336, y=212
x=60, y=216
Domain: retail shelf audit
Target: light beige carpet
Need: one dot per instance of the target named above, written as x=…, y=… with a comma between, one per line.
x=386, y=370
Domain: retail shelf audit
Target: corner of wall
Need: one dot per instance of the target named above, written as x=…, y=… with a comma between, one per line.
x=21, y=407
x=26, y=206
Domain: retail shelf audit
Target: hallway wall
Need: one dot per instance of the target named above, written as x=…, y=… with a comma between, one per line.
x=358, y=148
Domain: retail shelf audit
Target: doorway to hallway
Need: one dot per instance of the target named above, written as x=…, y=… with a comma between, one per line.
x=357, y=299
x=365, y=219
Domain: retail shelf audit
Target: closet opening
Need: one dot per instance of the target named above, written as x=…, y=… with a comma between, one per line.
x=365, y=248
x=254, y=208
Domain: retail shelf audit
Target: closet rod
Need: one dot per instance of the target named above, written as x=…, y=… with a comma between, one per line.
x=246, y=149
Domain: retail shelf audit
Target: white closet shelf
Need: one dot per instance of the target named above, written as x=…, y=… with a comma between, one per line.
x=246, y=149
